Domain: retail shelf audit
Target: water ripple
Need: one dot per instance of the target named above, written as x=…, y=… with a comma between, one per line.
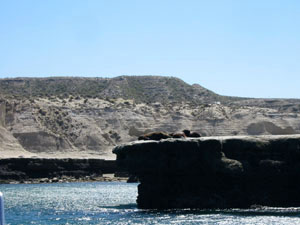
x=114, y=203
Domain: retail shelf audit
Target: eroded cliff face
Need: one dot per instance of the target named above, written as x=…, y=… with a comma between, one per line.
x=88, y=127
x=215, y=172
x=78, y=117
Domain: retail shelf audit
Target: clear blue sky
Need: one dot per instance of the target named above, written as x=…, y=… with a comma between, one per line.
x=233, y=47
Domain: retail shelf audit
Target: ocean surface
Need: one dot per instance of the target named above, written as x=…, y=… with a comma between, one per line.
x=114, y=203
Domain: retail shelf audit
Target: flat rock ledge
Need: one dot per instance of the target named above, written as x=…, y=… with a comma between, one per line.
x=215, y=172
x=50, y=170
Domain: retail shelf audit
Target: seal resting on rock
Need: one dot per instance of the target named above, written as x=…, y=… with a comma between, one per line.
x=178, y=135
x=188, y=133
x=195, y=134
x=154, y=136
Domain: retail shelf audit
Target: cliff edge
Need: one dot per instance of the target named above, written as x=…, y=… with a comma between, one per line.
x=215, y=172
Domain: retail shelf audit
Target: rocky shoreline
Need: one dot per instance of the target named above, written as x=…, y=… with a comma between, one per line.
x=53, y=170
x=66, y=179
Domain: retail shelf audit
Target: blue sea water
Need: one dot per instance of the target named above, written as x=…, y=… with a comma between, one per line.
x=114, y=203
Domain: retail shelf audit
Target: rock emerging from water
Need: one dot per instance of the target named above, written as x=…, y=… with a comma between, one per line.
x=215, y=172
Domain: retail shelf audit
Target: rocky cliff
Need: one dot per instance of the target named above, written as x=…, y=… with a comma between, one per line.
x=87, y=117
x=215, y=172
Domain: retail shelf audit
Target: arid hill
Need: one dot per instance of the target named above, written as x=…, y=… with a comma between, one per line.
x=87, y=117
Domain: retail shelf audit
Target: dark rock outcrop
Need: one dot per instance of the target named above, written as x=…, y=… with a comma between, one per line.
x=215, y=172
x=19, y=169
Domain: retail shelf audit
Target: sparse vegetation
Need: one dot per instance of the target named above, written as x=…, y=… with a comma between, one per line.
x=94, y=114
x=147, y=89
